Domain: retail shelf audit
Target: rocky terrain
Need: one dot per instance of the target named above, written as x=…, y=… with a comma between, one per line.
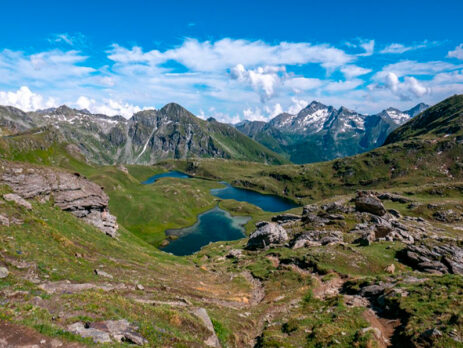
x=321, y=133
x=371, y=257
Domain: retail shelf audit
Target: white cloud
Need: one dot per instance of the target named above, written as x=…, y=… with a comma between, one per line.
x=69, y=39
x=398, y=48
x=351, y=71
x=226, y=53
x=26, y=100
x=457, y=52
x=264, y=80
x=410, y=67
x=368, y=46
x=300, y=84
x=407, y=89
x=297, y=105
x=108, y=107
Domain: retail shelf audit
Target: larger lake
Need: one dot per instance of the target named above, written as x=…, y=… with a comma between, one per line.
x=212, y=226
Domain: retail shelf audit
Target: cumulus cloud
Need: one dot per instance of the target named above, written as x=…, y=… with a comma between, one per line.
x=263, y=80
x=407, y=89
x=368, y=46
x=26, y=100
x=108, y=107
x=457, y=52
x=301, y=84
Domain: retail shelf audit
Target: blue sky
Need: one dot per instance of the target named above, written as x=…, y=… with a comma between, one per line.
x=229, y=59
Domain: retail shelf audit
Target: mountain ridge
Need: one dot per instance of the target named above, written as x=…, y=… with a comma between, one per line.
x=319, y=132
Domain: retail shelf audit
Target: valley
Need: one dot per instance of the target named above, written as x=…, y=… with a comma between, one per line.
x=359, y=251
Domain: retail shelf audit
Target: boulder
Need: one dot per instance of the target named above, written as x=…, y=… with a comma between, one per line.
x=267, y=234
x=98, y=336
x=369, y=203
x=101, y=273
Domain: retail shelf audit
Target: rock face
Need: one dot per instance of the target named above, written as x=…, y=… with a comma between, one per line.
x=70, y=192
x=267, y=233
x=369, y=203
x=212, y=340
x=438, y=259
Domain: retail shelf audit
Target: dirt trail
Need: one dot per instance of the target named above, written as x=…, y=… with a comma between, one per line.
x=385, y=328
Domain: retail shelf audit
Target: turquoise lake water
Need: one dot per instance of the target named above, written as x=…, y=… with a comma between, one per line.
x=216, y=224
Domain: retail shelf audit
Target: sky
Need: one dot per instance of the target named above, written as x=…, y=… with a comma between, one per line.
x=232, y=60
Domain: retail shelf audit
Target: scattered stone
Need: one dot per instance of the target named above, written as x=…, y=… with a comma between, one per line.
x=66, y=287
x=316, y=238
x=12, y=197
x=4, y=220
x=367, y=202
x=267, y=234
x=390, y=269
x=106, y=331
x=309, y=208
x=212, y=341
x=98, y=336
x=448, y=216
x=4, y=272
x=234, y=254
x=284, y=218
x=395, y=213
x=101, y=273
x=140, y=287
x=393, y=197
x=437, y=259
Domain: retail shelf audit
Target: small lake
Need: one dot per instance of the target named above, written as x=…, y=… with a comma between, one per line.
x=212, y=226
x=172, y=174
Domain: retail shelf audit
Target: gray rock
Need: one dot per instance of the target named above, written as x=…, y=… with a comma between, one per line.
x=437, y=259
x=309, y=208
x=101, y=273
x=234, y=254
x=212, y=341
x=4, y=220
x=11, y=197
x=98, y=336
x=284, y=218
x=367, y=202
x=71, y=192
x=267, y=234
x=4, y=272
x=314, y=238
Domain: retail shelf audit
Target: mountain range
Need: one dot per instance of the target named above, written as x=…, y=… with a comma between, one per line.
x=319, y=132
x=147, y=137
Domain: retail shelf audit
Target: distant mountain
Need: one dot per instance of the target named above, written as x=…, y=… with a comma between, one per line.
x=319, y=132
x=443, y=119
x=147, y=137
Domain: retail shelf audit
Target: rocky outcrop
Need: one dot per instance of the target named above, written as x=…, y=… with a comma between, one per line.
x=70, y=192
x=212, y=340
x=267, y=234
x=437, y=259
x=369, y=203
x=284, y=218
